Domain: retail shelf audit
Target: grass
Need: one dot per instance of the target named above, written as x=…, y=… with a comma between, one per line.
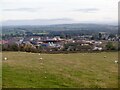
x=0, y=70
x=77, y=70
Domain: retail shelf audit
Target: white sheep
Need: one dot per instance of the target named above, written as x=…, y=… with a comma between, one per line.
x=5, y=58
x=41, y=58
x=116, y=61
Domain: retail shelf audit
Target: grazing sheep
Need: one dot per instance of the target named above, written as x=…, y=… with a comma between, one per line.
x=5, y=58
x=45, y=77
x=116, y=61
x=39, y=54
x=41, y=58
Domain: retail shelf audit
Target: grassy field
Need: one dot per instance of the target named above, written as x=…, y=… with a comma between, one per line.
x=82, y=70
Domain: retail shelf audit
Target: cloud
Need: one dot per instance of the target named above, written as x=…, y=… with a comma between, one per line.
x=22, y=9
x=87, y=10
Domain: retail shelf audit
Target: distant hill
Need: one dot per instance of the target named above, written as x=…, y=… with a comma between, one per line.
x=78, y=28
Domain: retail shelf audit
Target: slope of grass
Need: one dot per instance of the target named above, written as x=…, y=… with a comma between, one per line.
x=0, y=70
x=83, y=70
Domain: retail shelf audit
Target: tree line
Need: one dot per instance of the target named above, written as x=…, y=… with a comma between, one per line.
x=69, y=47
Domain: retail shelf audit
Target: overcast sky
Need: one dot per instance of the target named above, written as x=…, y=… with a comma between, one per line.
x=74, y=10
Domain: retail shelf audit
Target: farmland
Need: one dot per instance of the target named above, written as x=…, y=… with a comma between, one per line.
x=74, y=70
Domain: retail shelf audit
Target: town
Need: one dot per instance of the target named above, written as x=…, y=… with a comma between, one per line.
x=30, y=42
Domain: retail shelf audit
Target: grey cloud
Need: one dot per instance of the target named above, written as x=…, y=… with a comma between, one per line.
x=23, y=9
x=87, y=10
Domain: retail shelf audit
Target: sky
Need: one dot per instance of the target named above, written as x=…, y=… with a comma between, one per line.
x=102, y=11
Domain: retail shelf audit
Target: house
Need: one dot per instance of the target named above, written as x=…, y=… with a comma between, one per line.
x=97, y=48
x=3, y=42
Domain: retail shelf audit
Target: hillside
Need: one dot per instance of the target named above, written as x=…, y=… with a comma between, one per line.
x=82, y=70
x=79, y=28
